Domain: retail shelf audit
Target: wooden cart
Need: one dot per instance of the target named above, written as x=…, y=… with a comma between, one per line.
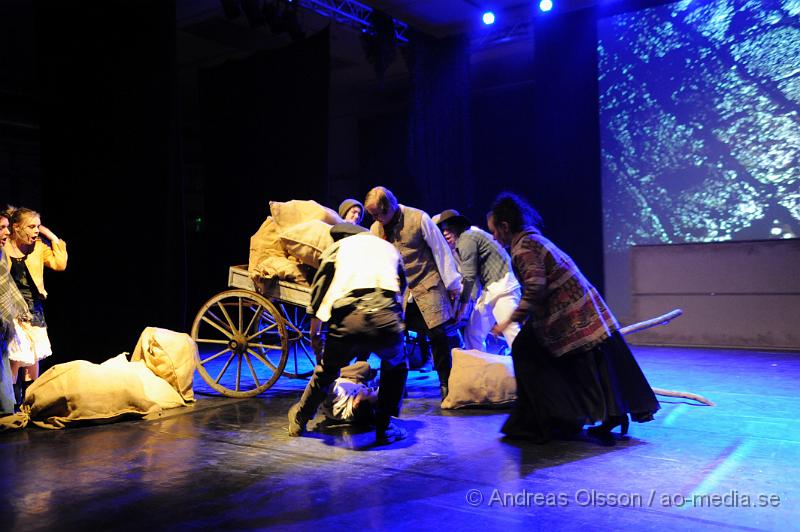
x=248, y=335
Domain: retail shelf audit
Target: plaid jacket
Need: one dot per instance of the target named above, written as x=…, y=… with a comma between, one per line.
x=482, y=258
x=564, y=309
x=12, y=304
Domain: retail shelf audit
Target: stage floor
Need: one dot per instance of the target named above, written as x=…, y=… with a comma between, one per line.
x=228, y=464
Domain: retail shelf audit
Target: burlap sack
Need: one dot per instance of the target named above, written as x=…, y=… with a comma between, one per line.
x=307, y=241
x=169, y=355
x=265, y=243
x=284, y=268
x=480, y=379
x=156, y=388
x=83, y=391
x=291, y=213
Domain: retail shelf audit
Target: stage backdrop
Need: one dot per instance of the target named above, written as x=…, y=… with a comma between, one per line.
x=700, y=131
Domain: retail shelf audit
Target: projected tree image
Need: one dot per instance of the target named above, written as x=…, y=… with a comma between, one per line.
x=700, y=126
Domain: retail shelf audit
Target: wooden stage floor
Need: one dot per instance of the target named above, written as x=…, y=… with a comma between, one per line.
x=228, y=464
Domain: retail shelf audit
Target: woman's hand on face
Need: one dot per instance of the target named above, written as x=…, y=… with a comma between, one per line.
x=48, y=234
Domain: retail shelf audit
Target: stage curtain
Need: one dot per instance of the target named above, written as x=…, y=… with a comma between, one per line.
x=439, y=158
x=265, y=137
x=110, y=184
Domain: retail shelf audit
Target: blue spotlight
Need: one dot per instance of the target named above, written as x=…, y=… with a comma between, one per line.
x=488, y=18
x=546, y=5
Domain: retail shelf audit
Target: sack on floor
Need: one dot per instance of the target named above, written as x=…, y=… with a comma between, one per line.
x=480, y=379
x=83, y=391
x=170, y=355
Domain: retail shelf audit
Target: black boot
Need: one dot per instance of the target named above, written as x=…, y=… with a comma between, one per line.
x=390, y=400
x=392, y=389
x=297, y=424
x=23, y=390
x=603, y=431
x=17, y=395
x=304, y=410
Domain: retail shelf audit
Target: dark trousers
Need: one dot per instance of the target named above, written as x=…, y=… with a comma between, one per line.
x=350, y=333
x=442, y=339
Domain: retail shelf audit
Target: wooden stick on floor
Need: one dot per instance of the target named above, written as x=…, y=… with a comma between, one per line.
x=664, y=319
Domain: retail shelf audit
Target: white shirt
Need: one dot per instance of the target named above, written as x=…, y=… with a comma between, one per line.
x=360, y=261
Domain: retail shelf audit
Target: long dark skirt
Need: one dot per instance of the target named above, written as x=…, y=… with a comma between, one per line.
x=575, y=389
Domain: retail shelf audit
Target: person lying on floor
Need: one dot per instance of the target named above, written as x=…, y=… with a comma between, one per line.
x=351, y=398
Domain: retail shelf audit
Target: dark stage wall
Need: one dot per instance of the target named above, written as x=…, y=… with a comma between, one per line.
x=110, y=187
x=20, y=167
x=525, y=121
x=439, y=154
x=566, y=182
x=265, y=126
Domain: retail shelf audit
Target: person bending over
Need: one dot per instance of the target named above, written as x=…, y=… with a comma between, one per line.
x=571, y=363
x=490, y=291
x=357, y=292
x=434, y=284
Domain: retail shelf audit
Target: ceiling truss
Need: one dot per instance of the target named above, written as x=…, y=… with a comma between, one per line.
x=353, y=14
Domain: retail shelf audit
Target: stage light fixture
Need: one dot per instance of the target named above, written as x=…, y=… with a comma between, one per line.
x=488, y=18
x=546, y=5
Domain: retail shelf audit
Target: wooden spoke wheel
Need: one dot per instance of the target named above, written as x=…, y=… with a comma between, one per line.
x=302, y=359
x=242, y=343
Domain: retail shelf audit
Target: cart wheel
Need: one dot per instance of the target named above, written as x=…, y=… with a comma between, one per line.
x=302, y=360
x=242, y=343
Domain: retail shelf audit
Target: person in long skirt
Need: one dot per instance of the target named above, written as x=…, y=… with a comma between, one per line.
x=571, y=363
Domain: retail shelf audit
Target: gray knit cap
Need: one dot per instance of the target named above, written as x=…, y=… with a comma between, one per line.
x=348, y=204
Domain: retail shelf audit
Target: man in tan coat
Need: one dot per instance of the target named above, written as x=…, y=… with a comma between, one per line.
x=434, y=284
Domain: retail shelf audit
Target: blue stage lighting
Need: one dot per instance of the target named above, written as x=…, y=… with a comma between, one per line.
x=546, y=5
x=488, y=18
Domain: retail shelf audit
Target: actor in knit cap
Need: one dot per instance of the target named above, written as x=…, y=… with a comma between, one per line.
x=351, y=210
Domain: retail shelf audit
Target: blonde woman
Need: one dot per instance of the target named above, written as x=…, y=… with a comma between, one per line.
x=27, y=253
